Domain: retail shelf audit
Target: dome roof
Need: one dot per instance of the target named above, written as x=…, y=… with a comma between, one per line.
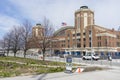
x=84, y=7
x=61, y=31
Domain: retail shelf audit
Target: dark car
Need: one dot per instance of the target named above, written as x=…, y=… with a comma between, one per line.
x=2, y=55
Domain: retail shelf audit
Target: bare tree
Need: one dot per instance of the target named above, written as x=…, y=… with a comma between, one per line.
x=16, y=39
x=26, y=31
x=7, y=41
x=45, y=40
x=2, y=45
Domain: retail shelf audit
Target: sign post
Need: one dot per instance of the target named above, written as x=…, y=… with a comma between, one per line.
x=68, y=64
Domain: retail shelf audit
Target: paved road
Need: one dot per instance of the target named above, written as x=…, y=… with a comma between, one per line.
x=97, y=75
x=114, y=62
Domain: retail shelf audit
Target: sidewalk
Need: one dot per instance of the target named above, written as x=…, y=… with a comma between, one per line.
x=96, y=75
x=116, y=60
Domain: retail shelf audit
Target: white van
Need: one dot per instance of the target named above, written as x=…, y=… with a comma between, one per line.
x=90, y=55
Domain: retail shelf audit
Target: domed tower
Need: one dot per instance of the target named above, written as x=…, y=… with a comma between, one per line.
x=83, y=17
x=37, y=31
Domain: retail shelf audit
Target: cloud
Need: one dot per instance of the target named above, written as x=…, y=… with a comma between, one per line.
x=107, y=13
x=6, y=23
x=58, y=11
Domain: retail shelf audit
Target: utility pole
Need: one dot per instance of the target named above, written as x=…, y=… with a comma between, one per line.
x=91, y=39
x=91, y=46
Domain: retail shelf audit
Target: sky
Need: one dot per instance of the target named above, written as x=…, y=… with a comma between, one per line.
x=14, y=12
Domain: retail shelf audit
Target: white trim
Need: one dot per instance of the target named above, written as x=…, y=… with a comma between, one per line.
x=73, y=31
x=104, y=49
x=36, y=31
x=106, y=34
x=101, y=29
x=85, y=20
x=73, y=38
x=92, y=19
x=78, y=22
x=60, y=39
x=78, y=37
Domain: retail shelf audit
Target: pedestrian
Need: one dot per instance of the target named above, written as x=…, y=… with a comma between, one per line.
x=109, y=58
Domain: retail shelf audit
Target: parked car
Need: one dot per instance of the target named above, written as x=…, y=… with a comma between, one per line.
x=90, y=56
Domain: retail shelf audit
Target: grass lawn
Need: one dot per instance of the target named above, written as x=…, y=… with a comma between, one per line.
x=32, y=61
x=14, y=66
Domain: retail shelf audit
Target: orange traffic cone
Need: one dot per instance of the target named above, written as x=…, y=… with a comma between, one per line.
x=79, y=70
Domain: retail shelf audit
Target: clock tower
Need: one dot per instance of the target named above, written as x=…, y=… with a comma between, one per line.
x=83, y=17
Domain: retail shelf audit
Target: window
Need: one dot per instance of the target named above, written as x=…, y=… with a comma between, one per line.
x=84, y=45
x=78, y=34
x=118, y=37
x=63, y=45
x=68, y=40
x=78, y=45
x=68, y=35
x=99, y=44
x=89, y=31
x=89, y=38
x=118, y=44
x=63, y=41
x=73, y=34
x=78, y=40
x=89, y=44
x=68, y=46
x=99, y=37
x=84, y=39
x=83, y=33
x=106, y=42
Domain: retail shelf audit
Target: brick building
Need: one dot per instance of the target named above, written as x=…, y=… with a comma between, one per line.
x=84, y=35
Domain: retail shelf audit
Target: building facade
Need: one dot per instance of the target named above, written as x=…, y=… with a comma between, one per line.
x=84, y=35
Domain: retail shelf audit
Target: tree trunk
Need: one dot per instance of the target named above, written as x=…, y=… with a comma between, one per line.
x=24, y=53
x=14, y=54
x=7, y=52
x=43, y=55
